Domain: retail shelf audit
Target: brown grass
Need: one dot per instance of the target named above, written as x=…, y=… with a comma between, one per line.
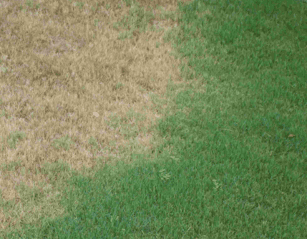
x=78, y=85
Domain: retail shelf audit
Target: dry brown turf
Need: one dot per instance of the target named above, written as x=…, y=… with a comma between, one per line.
x=81, y=85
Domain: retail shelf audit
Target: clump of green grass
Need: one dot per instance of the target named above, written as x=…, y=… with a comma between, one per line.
x=232, y=162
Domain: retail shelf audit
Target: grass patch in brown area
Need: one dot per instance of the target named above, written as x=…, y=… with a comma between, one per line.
x=81, y=86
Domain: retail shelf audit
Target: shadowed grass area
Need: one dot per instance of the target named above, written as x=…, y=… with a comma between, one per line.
x=227, y=155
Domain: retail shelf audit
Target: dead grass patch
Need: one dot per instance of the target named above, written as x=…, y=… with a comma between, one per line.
x=78, y=83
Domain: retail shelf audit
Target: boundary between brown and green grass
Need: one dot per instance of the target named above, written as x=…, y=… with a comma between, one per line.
x=230, y=156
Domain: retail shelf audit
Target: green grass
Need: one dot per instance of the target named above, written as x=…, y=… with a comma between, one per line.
x=239, y=133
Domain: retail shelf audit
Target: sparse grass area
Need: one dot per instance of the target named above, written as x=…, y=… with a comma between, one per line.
x=153, y=119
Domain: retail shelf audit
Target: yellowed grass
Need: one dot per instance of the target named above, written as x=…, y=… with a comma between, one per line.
x=74, y=89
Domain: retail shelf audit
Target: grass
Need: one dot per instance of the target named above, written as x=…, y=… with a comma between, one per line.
x=134, y=120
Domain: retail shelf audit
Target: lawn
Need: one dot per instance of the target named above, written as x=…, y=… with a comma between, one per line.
x=153, y=119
